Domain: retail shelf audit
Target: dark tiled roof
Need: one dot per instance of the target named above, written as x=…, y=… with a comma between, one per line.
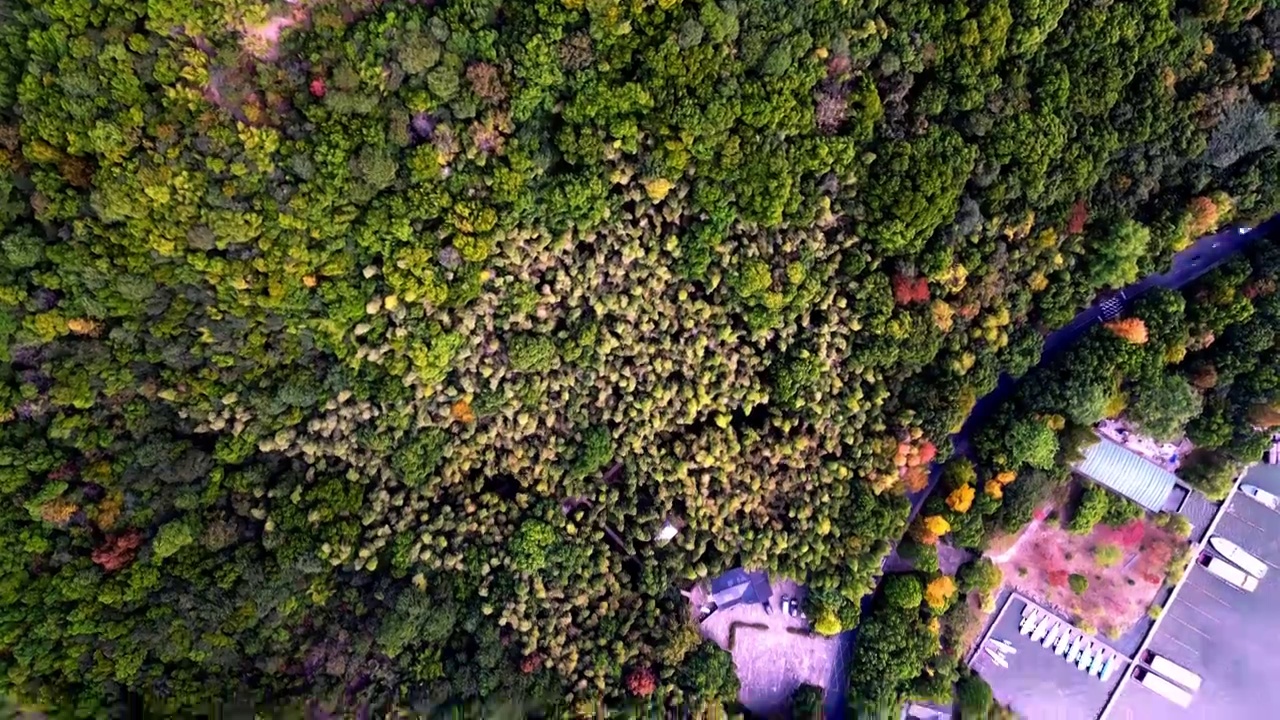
x=739, y=586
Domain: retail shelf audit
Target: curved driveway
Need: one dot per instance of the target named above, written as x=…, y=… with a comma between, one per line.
x=1199, y=258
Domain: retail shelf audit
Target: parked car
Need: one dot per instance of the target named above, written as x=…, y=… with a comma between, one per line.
x=768, y=607
x=786, y=604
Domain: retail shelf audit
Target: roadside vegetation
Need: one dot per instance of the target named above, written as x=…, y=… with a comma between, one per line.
x=355, y=354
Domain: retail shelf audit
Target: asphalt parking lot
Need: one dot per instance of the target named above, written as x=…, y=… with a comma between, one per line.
x=1038, y=683
x=1227, y=636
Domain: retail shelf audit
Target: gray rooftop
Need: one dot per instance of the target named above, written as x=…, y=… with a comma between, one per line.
x=739, y=586
x=1133, y=476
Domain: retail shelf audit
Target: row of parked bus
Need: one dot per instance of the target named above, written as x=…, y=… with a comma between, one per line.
x=1167, y=679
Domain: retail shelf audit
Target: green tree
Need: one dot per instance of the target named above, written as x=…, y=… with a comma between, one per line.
x=707, y=674
x=980, y=574
x=1112, y=260
x=1031, y=442
x=903, y=591
x=806, y=702
x=974, y=696
x=1162, y=407
x=1094, y=503
x=1107, y=555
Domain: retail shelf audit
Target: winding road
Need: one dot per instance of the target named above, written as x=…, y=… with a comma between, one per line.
x=1199, y=258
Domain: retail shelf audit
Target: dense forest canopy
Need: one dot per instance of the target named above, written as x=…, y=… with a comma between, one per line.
x=357, y=352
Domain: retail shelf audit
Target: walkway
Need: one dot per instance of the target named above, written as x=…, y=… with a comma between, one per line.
x=1027, y=532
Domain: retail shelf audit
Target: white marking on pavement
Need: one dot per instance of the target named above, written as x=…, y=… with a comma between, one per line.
x=1184, y=622
x=1239, y=517
x=1193, y=607
x=1206, y=592
x=1193, y=650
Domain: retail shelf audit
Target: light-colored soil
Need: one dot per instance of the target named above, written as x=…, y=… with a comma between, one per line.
x=263, y=39
x=1118, y=596
x=1013, y=543
x=772, y=663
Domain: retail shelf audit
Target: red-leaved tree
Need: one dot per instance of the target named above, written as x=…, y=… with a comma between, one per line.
x=910, y=289
x=118, y=550
x=1076, y=219
x=641, y=682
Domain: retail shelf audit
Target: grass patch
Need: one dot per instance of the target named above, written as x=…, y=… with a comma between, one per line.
x=1107, y=555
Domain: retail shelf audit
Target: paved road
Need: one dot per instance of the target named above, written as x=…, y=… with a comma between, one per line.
x=1202, y=256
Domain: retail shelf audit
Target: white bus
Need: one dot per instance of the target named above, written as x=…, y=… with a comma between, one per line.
x=1174, y=671
x=1162, y=687
x=1229, y=573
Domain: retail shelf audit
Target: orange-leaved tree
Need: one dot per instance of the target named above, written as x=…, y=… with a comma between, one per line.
x=1131, y=330
x=961, y=498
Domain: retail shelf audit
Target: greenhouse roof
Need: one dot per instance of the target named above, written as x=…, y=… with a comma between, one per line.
x=1130, y=475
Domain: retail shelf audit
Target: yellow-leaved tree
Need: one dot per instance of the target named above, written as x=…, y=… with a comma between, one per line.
x=939, y=591
x=827, y=623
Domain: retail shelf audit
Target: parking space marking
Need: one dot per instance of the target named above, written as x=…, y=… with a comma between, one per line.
x=1193, y=627
x=1206, y=592
x=1193, y=650
x=1193, y=607
x=1240, y=517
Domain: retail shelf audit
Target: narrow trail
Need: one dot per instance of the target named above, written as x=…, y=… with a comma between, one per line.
x=1012, y=550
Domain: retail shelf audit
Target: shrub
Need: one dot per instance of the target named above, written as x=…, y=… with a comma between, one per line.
x=1174, y=523
x=974, y=696
x=735, y=626
x=1154, y=611
x=1107, y=555
x=1177, y=565
x=1079, y=583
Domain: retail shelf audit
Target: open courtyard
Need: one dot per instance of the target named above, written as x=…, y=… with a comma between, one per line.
x=1122, y=570
x=774, y=653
